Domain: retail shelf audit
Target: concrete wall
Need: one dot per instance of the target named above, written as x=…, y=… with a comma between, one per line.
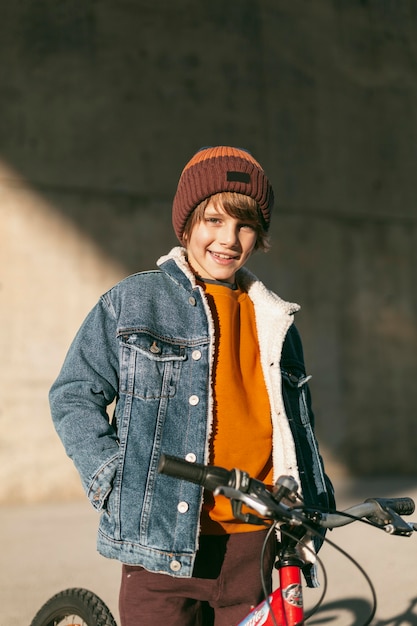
x=102, y=105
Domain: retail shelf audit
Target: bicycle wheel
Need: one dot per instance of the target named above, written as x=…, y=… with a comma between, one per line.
x=74, y=607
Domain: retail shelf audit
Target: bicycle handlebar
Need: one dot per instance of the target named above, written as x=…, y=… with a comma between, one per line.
x=238, y=486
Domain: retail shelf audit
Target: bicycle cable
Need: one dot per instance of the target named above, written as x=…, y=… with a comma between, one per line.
x=354, y=562
x=263, y=581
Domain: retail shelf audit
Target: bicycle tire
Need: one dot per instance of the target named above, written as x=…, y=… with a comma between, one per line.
x=80, y=606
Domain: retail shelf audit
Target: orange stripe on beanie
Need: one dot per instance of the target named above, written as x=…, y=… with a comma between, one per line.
x=216, y=169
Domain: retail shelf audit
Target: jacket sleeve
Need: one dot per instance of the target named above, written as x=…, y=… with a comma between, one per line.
x=86, y=385
x=295, y=379
x=316, y=486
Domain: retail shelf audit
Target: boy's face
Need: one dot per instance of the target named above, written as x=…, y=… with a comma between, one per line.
x=219, y=244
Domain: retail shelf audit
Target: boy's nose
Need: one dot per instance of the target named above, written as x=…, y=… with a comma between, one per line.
x=229, y=235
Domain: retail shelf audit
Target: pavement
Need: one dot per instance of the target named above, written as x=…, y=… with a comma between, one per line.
x=49, y=547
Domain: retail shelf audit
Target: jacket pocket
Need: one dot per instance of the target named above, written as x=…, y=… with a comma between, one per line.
x=149, y=365
x=101, y=484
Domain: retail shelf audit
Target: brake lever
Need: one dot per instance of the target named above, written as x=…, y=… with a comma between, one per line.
x=255, y=502
x=398, y=526
x=391, y=522
x=247, y=518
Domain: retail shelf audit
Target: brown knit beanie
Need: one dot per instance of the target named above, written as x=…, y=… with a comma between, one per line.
x=216, y=169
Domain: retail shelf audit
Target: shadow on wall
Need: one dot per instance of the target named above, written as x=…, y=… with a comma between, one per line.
x=104, y=103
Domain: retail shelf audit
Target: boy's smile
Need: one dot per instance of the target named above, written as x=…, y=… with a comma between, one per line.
x=219, y=244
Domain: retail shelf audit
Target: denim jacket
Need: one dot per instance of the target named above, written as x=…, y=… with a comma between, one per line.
x=149, y=345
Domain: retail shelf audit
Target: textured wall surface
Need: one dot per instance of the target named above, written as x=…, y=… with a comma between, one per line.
x=102, y=103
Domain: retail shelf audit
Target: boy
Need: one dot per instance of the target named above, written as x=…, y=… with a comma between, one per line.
x=206, y=364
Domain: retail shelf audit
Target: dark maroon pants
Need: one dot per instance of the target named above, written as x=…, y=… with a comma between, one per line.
x=226, y=584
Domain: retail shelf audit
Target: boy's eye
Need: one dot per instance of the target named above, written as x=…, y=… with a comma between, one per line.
x=218, y=219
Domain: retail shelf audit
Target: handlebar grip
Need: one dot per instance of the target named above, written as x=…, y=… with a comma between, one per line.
x=402, y=506
x=207, y=476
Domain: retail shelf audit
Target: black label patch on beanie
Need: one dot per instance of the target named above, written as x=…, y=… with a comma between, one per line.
x=239, y=177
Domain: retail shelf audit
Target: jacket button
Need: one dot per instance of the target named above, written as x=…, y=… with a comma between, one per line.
x=193, y=400
x=182, y=507
x=155, y=349
x=175, y=566
x=196, y=355
x=192, y=300
x=191, y=457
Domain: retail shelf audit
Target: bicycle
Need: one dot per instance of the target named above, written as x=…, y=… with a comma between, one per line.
x=281, y=509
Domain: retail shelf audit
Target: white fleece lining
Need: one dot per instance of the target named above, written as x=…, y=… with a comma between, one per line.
x=274, y=317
